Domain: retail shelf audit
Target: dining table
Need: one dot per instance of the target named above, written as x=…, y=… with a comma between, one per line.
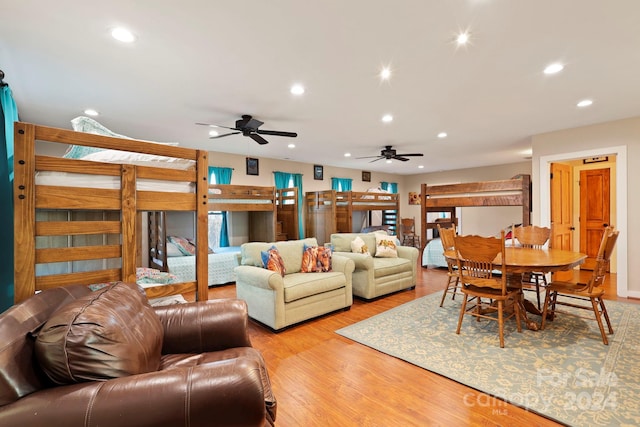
x=520, y=260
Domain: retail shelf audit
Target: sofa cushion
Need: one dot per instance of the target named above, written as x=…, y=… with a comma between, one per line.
x=302, y=285
x=386, y=246
x=251, y=253
x=110, y=333
x=389, y=266
x=342, y=241
x=271, y=260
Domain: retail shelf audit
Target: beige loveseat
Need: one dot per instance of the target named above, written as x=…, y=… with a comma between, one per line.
x=374, y=276
x=278, y=301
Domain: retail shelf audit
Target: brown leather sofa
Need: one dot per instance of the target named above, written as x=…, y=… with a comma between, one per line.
x=207, y=372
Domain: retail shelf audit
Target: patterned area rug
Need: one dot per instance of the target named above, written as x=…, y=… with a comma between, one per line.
x=564, y=372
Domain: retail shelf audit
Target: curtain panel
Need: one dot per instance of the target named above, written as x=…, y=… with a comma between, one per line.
x=221, y=176
x=341, y=184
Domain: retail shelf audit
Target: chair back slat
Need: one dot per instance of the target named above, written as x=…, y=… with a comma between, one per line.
x=476, y=255
x=447, y=236
x=532, y=236
x=608, y=242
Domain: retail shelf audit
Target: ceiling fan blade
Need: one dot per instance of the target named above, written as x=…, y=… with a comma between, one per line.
x=379, y=158
x=411, y=155
x=224, y=134
x=216, y=126
x=257, y=138
x=367, y=157
x=277, y=133
x=402, y=159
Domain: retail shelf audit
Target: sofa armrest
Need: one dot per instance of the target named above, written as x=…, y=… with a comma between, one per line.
x=204, y=326
x=342, y=264
x=408, y=252
x=227, y=392
x=259, y=277
x=361, y=261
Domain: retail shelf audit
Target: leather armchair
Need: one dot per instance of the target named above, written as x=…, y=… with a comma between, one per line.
x=209, y=374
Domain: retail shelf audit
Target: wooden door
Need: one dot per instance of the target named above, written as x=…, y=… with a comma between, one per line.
x=561, y=212
x=595, y=210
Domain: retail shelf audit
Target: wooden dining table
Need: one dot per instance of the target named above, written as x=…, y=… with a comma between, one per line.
x=526, y=260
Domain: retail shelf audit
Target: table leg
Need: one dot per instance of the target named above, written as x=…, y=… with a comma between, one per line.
x=525, y=305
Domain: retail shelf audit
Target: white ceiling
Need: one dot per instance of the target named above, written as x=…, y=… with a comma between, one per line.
x=211, y=61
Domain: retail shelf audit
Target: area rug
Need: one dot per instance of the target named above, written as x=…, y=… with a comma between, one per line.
x=564, y=372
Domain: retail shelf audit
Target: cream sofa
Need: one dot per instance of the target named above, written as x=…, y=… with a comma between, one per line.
x=278, y=301
x=374, y=276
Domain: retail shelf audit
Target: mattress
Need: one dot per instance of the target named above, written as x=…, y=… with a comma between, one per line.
x=221, y=267
x=66, y=179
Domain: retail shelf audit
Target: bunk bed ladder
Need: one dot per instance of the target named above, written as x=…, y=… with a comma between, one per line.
x=390, y=218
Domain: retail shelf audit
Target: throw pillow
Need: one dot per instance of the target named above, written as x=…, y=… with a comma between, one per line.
x=173, y=249
x=309, y=259
x=184, y=245
x=386, y=246
x=271, y=260
x=324, y=259
x=358, y=246
x=110, y=333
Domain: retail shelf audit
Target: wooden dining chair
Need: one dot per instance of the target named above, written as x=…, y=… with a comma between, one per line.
x=591, y=292
x=447, y=236
x=532, y=236
x=408, y=232
x=476, y=267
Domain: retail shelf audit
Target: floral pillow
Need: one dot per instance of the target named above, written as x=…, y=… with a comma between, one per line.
x=386, y=246
x=186, y=246
x=324, y=259
x=309, y=259
x=358, y=246
x=271, y=260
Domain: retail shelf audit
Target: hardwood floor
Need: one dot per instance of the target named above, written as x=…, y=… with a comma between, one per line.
x=323, y=379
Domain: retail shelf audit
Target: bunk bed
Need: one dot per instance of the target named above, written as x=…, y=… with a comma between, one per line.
x=78, y=220
x=332, y=211
x=265, y=205
x=444, y=199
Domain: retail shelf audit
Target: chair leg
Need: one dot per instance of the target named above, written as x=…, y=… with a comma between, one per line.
x=501, y=322
x=462, y=311
x=538, y=290
x=606, y=314
x=547, y=301
x=517, y=311
x=446, y=290
x=596, y=312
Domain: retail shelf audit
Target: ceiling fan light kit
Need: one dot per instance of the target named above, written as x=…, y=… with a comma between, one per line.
x=248, y=126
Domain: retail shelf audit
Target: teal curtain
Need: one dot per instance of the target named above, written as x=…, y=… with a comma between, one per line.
x=222, y=176
x=8, y=115
x=391, y=187
x=284, y=180
x=341, y=184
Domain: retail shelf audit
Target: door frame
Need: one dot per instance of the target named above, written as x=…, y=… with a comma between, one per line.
x=620, y=221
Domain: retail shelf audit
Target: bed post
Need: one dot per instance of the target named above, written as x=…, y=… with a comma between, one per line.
x=129, y=223
x=202, y=221
x=24, y=249
x=423, y=215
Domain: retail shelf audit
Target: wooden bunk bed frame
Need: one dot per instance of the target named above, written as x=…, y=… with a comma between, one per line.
x=331, y=211
x=446, y=198
x=235, y=198
x=126, y=201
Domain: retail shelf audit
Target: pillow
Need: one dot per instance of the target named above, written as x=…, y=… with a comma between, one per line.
x=146, y=276
x=173, y=249
x=100, y=337
x=309, y=259
x=324, y=259
x=271, y=260
x=88, y=125
x=386, y=246
x=184, y=245
x=358, y=246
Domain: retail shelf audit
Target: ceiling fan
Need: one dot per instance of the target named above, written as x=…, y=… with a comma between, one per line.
x=389, y=153
x=248, y=126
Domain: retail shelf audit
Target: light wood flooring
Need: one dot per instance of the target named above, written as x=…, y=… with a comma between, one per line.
x=323, y=379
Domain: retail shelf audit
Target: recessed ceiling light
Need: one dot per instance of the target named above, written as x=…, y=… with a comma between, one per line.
x=297, y=89
x=123, y=35
x=387, y=118
x=553, y=68
x=463, y=38
x=347, y=154
x=442, y=135
x=91, y=112
x=421, y=167
x=389, y=161
x=291, y=145
x=585, y=103
x=385, y=74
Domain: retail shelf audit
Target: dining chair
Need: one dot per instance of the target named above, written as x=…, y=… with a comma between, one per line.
x=532, y=236
x=447, y=236
x=408, y=231
x=478, y=279
x=591, y=292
